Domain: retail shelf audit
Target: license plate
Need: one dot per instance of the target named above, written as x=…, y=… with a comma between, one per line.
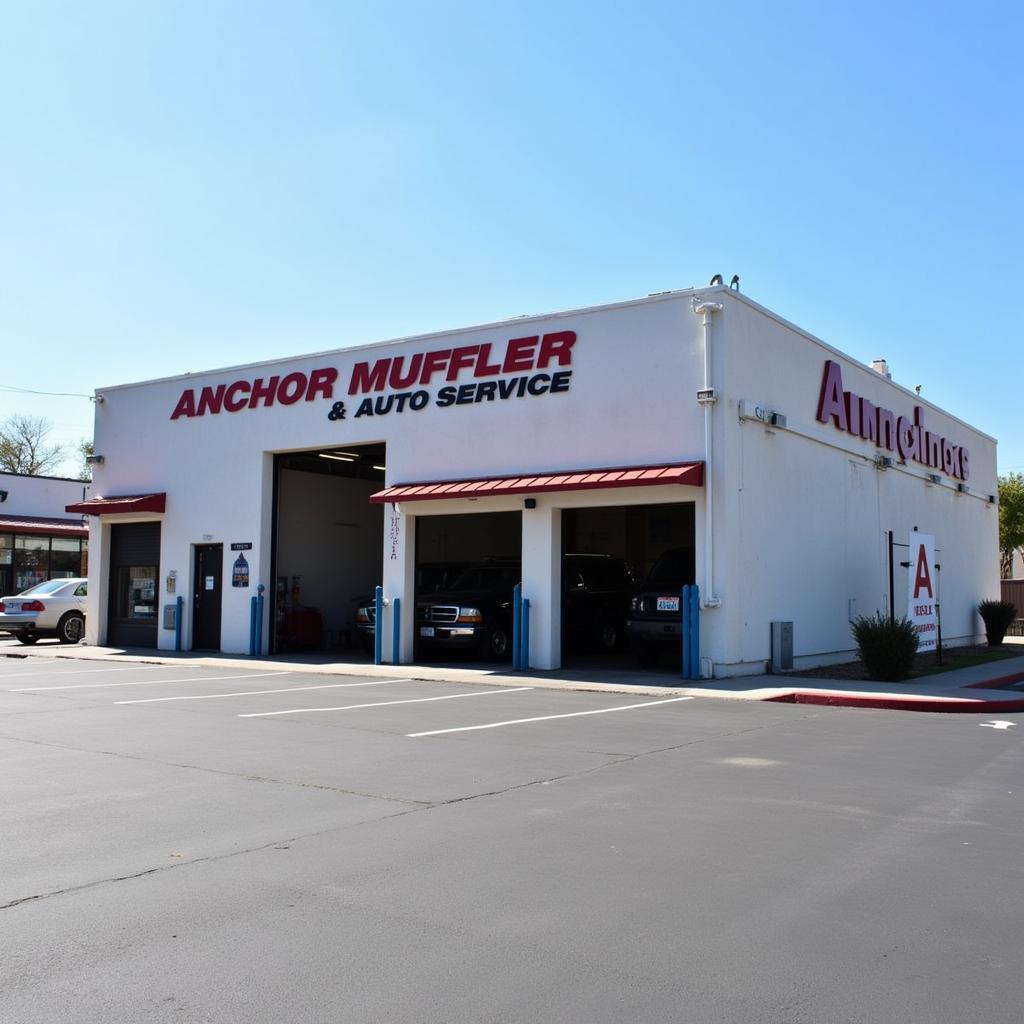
x=668, y=604
x=13, y=606
x=427, y=631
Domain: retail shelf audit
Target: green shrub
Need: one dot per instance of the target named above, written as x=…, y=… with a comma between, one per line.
x=997, y=616
x=886, y=646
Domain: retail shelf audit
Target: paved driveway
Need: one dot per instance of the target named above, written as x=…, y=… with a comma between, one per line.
x=188, y=844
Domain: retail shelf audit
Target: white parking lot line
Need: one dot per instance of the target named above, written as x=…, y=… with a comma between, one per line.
x=385, y=703
x=253, y=693
x=545, y=718
x=149, y=682
x=71, y=671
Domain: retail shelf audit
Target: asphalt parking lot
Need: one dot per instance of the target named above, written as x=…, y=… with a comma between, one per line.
x=190, y=844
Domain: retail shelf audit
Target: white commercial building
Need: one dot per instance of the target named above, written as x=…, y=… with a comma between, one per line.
x=696, y=420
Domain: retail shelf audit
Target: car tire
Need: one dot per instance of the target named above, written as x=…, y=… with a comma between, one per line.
x=498, y=645
x=71, y=628
x=608, y=638
x=28, y=638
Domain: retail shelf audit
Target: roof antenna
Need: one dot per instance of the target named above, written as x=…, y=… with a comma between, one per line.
x=717, y=279
x=734, y=284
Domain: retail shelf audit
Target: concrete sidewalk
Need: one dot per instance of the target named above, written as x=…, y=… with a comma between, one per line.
x=995, y=688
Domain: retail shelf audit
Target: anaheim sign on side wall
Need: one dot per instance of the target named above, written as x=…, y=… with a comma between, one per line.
x=906, y=436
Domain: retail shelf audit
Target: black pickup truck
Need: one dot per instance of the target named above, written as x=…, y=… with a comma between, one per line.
x=473, y=613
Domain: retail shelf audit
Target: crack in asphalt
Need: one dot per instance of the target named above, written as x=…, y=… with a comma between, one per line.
x=411, y=806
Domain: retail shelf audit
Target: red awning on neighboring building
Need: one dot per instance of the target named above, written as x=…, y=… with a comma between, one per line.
x=689, y=473
x=122, y=503
x=40, y=525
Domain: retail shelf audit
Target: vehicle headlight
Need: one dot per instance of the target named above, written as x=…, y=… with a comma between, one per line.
x=470, y=615
x=636, y=604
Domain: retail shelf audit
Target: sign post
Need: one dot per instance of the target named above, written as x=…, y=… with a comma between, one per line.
x=922, y=591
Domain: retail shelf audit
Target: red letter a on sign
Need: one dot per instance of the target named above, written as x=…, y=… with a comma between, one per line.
x=922, y=574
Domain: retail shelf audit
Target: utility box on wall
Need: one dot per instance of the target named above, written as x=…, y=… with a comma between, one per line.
x=171, y=616
x=782, y=646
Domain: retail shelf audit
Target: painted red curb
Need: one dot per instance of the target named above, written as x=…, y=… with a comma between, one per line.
x=908, y=703
x=995, y=684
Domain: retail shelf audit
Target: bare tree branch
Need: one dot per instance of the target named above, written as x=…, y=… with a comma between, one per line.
x=23, y=447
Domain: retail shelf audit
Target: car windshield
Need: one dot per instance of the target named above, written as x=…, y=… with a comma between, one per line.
x=673, y=568
x=49, y=587
x=488, y=577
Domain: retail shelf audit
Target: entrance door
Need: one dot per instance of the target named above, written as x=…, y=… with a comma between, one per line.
x=206, y=597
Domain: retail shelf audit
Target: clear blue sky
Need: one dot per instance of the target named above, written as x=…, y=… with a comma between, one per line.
x=188, y=185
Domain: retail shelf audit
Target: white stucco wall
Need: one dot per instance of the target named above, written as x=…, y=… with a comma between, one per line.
x=40, y=495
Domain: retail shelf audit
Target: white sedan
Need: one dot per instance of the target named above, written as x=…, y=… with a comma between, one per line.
x=55, y=608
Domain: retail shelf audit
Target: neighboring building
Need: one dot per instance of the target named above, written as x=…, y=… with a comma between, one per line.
x=39, y=540
x=788, y=475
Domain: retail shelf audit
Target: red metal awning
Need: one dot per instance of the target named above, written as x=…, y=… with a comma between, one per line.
x=43, y=525
x=121, y=503
x=690, y=474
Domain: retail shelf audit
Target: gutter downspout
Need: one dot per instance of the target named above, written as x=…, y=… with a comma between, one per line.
x=707, y=398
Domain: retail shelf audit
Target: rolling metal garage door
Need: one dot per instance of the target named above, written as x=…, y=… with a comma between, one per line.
x=134, y=584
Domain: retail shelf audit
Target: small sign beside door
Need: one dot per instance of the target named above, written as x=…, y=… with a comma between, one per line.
x=209, y=583
x=240, y=572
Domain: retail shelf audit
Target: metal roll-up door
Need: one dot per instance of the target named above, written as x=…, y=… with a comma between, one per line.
x=134, y=585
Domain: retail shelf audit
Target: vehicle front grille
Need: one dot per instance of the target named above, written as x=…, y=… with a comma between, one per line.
x=441, y=613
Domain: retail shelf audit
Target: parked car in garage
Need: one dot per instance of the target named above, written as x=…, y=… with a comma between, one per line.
x=55, y=608
x=596, y=591
x=430, y=578
x=655, y=619
x=474, y=613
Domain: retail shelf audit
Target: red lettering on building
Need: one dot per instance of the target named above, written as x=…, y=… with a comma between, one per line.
x=245, y=394
x=922, y=574
x=856, y=415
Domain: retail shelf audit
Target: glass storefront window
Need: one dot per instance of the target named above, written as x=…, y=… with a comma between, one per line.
x=6, y=550
x=65, y=558
x=31, y=561
x=136, y=593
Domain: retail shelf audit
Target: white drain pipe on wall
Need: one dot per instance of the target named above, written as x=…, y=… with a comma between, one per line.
x=707, y=398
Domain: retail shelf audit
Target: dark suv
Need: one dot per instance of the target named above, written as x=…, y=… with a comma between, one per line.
x=473, y=613
x=596, y=590
x=655, y=619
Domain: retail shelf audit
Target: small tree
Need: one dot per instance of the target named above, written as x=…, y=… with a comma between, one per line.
x=1011, y=520
x=24, y=448
x=85, y=449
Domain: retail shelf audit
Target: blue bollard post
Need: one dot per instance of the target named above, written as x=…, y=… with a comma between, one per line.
x=378, y=623
x=259, y=618
x=396, y=631
x=524, y=656
x=252, y=625
x=177, y=623
x=517, y=613
x=684, y=629
x=695, y=633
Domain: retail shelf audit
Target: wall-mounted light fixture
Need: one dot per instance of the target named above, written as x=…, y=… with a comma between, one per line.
x=95, y=460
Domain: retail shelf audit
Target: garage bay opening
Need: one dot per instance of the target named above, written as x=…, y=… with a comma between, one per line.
x=466, y=569
x=328, y=548
x=610, y=557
